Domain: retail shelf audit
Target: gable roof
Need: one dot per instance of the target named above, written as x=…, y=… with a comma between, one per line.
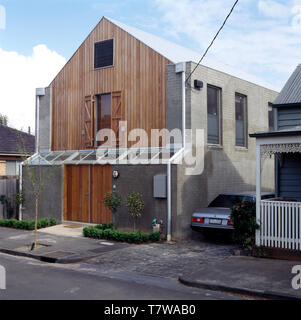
x=176, y=53
x=291, y=93
x=13, y=141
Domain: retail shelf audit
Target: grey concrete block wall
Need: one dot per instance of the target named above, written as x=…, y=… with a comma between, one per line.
x=45, y=121
x=139, y=178
x=174, y=100
x=227, y=167
x=51, y=197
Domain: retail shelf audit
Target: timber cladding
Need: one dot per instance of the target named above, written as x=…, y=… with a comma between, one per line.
x=84, y=189
x=139, y=73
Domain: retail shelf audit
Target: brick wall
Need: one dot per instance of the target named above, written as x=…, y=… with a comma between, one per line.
x=227, y=167
x=2, y=168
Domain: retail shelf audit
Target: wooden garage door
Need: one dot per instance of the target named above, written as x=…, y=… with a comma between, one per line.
x=85, y=186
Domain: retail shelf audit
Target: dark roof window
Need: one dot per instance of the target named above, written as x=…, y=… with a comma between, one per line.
x=104, y=54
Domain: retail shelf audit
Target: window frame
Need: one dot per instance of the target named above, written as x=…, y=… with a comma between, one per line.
x=97, y=114
x=220, y=108
x=271, y=112
x=111, y=66
x=245, y=121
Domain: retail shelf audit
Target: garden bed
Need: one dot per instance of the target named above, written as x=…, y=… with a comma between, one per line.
x=27, y=225
x=108, y=232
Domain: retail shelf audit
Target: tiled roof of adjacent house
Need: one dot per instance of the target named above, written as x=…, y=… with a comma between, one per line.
x=291, y=93
x=15, y=142
x=176, y=53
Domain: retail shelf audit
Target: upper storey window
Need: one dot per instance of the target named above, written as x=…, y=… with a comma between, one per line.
x=241, y=112
x=104, y=54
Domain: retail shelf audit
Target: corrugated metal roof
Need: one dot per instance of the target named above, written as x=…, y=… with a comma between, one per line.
x=291, y=93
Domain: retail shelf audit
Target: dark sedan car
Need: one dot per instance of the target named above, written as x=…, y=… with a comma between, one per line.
x=217, y=215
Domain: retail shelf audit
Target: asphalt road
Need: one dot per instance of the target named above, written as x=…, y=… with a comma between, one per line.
x=28, y=279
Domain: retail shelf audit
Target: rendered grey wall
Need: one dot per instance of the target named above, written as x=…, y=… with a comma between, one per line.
x=51, y=199
x=139, y=178
x=44, y=121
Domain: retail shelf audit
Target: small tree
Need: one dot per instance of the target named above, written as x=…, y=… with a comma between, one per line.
x=135, y=206
x=113, y=201
x=3, y=120
x=36, y=179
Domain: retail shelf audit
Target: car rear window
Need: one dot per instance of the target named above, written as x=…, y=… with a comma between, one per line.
x=226, y=201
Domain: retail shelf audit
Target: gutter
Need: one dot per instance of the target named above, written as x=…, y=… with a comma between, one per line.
x=180, y=68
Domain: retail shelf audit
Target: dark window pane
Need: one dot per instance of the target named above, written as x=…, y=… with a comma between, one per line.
x=103, y=54
x=104, y=112
x=213, y=107
x=271, y=118
x=226, y=201
x=241, y=120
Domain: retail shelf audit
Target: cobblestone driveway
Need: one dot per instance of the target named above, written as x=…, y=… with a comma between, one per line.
x=164, y=259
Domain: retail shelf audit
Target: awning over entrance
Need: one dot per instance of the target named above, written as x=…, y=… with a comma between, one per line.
x=103, y=156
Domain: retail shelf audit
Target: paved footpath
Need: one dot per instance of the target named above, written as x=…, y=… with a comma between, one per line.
x=54, y=246
x=198, y=263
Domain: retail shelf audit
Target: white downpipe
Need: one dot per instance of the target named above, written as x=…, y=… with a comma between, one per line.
x=179, y=153
x=184, y=108
x=37, y=121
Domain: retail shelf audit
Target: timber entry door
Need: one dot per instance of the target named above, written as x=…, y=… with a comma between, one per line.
x=85, y=187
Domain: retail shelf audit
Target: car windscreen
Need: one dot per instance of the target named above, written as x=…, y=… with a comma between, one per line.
x=226, y=201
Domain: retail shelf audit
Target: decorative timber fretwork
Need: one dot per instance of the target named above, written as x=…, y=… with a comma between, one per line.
x=271, y=149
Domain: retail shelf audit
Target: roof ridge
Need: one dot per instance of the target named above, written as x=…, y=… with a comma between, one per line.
x=20, y=131
x=176, y=53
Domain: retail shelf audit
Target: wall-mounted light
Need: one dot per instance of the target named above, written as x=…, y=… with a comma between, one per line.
x=198, y=84
x=115, y=174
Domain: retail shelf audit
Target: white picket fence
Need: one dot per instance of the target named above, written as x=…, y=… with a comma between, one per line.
x=280, y=224
x=8, y=187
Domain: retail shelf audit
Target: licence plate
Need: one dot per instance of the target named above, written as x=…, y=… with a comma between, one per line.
x=215, y=221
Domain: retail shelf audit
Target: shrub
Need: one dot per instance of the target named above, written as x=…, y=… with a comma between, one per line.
x=105, y=226
x=27, y=225
x=154, y=236
x=120, y=236
x=112, y=201
x=244, y=218
x=135, y=206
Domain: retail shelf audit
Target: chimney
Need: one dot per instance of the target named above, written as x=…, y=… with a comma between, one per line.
x=29, y=130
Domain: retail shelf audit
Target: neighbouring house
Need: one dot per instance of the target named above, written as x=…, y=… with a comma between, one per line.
x=122, y=79
x=280, y=219
x=15, y=146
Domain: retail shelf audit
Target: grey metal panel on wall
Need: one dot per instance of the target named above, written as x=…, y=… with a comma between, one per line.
x=160, y=186
x=290, y=176
x=289, y=118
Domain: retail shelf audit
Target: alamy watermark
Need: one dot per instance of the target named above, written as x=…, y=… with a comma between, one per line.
x=2, y=278
x=296, y=282
x=2, y=18
x=144, y=147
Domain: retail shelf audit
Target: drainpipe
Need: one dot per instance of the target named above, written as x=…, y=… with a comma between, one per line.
x=39, y=92
x=180, y=68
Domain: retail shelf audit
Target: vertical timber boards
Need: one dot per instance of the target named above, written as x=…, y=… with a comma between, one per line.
x=138, y=72
x=85, y=187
